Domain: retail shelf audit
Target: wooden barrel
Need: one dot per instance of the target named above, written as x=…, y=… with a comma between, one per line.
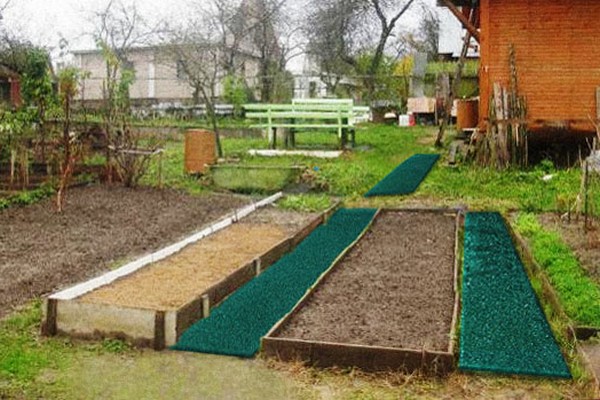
x=200, y=150
x=467, y=114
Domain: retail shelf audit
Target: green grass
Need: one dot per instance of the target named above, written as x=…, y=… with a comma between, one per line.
x=578, y=294
x=173, y=172
x=23, y=355
x=254, y=179
x=382, y=148
x=306, y=203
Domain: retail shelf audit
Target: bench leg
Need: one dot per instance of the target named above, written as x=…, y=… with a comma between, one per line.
x=272, y=138
x=353, y=137
x=344, y=138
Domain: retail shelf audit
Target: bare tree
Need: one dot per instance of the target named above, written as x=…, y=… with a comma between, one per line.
x=330, y=44
x=200, y=61
x=255, y=29
x=348, y=27
x=118, y=29
x=3, y=6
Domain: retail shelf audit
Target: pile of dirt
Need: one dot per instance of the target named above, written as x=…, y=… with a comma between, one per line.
x=42, y=251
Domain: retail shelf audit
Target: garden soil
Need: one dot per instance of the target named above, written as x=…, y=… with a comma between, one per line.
x=394, y=289
x=102, y=227
x=178, y=280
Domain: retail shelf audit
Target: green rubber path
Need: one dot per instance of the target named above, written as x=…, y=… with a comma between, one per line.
x=236, y=327
x=503, y=327
x=407, y=177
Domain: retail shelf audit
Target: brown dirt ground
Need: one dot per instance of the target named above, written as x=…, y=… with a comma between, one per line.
x=586, y=245
x=42, y=251
x=174, y=282
x=394, y=289
x=592, y=352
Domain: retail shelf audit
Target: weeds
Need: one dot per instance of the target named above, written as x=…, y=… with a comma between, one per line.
x=306, y=203
x=28, y=197
x=578, y=294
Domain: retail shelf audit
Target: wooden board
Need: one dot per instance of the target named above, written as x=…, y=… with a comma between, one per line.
x=367, y=358
x=154, y=328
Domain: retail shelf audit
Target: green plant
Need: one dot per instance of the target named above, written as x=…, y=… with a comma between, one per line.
x=27, y=197
x=115, y=346
x=578, y=294
x=236, y=93
x=306, y=202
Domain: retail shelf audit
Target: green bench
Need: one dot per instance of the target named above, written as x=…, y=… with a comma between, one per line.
x=338, y=115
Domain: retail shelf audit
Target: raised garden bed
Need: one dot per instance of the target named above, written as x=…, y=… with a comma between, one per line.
x=153, y=301
x=390, y=303
x=42, y=251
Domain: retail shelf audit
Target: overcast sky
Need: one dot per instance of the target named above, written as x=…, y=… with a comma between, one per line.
x=45, y=22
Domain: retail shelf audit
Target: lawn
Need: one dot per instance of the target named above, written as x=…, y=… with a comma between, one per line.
x=382, y=148
x=36, y=367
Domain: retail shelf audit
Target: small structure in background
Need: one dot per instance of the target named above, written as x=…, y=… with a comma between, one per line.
x=10, y=87
x=557, y=52
x=308, y=114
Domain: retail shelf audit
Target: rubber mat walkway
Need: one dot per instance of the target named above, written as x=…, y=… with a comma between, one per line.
x=236, y=327
x=503, y=327
x=406, y=178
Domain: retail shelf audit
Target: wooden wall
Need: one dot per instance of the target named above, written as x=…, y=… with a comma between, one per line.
x=557, y=46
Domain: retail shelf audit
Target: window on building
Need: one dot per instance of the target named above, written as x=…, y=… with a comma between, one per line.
x=180, y=66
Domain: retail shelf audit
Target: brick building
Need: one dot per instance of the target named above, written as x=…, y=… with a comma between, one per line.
x=557, y=57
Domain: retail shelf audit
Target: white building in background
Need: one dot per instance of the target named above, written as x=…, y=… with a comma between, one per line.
x=159, y=77
x=307, y=82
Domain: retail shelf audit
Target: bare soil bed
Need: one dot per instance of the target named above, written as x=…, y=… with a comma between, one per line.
x=394, y=289
x=41, y=251
x=586, y=245
x=179, y=279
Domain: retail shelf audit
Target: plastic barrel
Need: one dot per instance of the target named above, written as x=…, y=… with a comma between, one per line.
x=200, y=150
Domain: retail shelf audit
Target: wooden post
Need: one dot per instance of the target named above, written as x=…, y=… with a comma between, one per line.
x=270, y=132
x=341, y=129
x=586, y=197
x=292, y=135
x=160, y=170
x=257, y=266
x=205, y=306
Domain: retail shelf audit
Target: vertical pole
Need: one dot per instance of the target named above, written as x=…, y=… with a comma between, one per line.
x=586, y=180
x=205, y=306
x=257, y=267
x=340, y=129
x=160, y=170
x=270, y=132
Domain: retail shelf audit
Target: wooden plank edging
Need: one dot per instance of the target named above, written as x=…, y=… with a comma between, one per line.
x=169, y=325
x=106, y=279
x=457, y=268
x=49, y=322
x=368, y=358
x=573, y=333
x=192, y=312
x=302, y=302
